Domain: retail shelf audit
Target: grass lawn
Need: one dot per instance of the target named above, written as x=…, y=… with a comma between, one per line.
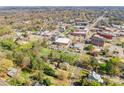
x=45, y=51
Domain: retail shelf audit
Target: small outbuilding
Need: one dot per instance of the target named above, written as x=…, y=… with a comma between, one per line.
x=94, y=76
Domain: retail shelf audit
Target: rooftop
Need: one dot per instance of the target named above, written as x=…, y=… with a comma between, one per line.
x=62, y=40
x=93, y=75
x=98, y=36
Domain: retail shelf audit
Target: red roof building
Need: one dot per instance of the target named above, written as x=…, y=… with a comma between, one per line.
x=97, y=40
x=79, y=33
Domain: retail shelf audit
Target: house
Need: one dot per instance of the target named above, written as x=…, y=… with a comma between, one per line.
x=107, y=35
x=97, y=40
x=116, y=51
x=107, y=32
x=12, y=72
x=47, y=34
x=94, y=76
x=109, y=29
x=88, y=41
x=118, y=26
x=78, y=45
x=54, y=37
x=121, y=33
x=79, y=33
x=62, y=29
x=80, y=25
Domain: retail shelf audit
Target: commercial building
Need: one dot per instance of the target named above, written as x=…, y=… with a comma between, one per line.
x=63, y=41
x=97, y=40
x=79, y=33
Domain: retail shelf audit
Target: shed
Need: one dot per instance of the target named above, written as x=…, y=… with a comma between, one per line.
x=94, y=76
x=12, y=72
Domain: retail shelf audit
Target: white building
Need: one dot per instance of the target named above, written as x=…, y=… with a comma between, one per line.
x=63, y=41
x=12, y=72
x=94, y=76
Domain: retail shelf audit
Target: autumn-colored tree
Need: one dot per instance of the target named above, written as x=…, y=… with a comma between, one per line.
x=25, y=62
x=5, y=64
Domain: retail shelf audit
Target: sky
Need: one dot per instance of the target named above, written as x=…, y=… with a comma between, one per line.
x=61, y=2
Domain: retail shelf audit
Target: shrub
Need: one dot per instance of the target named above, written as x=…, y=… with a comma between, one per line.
x=49, y=71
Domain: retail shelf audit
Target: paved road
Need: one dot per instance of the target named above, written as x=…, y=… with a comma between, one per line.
x=3, y=83
x=94, y=24
x=89, y=28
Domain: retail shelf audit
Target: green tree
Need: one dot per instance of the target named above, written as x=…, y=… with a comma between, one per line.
x=112, y=66
x=89, y=48
x=47, y=82
x=86, y=61
x=8, y=44
x=94, y=64
x=95, y=83
x=5, y=30
x=102, y=68
x=49, y=71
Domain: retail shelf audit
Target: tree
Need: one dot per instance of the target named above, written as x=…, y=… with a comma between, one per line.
x=89, y=48
x=5, y=64
x=49, y=71
x=18, y=81
x=95, y=83
x=44, y=43
x=8, y=44
x=112, y=66
x=82, y=82
x=94, y=64
x=86, y=61
x=38, y=75
x=102, y=68
x=70, y=58
x=47, y=82
x=25, y=62
x=36, y=64
x=108, y=82
x=18, y=56
x=5, y=30
x=62, y=75
x=105, y=52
